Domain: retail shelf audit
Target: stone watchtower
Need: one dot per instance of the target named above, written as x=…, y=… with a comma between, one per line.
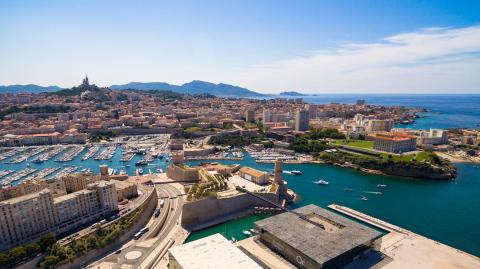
x=104, y=172
x=178, y=157
x=278, y=172
x=282, y=185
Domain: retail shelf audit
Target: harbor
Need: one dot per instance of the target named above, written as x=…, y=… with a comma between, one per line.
x=425, y=199
x=380, y=196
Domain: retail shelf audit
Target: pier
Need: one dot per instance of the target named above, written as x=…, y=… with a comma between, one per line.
x=91, y=151
x=406, y=249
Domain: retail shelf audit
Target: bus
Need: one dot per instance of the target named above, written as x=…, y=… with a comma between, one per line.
x=140, y=233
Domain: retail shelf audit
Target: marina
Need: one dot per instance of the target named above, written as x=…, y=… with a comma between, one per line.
x=70, y=153
x=340, y=179
x=270, y=155
x=49, y=154
x=11, y=152
x=65, y=171
x=5, y=172
x=90, y=153
x=17, y=176
x=43, y=173
x=30, y=152
x=107, y=153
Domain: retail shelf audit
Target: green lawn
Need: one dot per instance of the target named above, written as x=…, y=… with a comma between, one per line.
x=355, y=143
x=191, y=130
x=419, y=156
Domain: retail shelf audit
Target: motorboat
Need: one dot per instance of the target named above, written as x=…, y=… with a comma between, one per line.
x=381, y=185
x=321, y=182
x=141, y=162
x=247, y=233
x=364, y=198
x=296, y=172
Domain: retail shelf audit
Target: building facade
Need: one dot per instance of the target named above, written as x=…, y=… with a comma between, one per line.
x=394, y=142
x=433, y=137
x=27, y=217
x=254, y=175
x=302, y=119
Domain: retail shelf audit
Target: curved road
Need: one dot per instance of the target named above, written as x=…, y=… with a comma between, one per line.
x=169, y=216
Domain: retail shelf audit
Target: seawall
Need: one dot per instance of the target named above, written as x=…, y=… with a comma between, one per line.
x=211, y=211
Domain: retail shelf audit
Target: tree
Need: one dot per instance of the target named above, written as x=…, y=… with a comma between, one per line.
x=92, y=242
x=4, y=260
x=17, y=254
x=59, y=251
x=49, y=262
x=32, y=248
x=47, y=241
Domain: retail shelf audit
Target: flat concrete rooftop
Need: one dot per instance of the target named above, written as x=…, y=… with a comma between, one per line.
x=333, y=236
x=211, y=252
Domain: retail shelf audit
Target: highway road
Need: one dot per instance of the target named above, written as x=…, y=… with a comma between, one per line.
x=134, y=252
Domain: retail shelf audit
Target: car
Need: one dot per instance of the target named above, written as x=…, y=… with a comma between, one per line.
x=118, y=251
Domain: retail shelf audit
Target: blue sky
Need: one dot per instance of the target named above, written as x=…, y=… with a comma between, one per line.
x=269, y=46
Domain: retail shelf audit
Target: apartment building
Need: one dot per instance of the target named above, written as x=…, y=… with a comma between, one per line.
x=27, y=217
x=379, y=125
x=433, y=137
x=302, y=119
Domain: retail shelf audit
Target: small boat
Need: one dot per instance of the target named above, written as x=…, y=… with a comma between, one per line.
x=247, y=233
x=233, y=240
x=348, y=189
x=140, y=171
x=375, y=192
x=321, y=182
x=381, y=185
x=364, y=198
x=296, y=172
x=253, y=231
x=141, y=162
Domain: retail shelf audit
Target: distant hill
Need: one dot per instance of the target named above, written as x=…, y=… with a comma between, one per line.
x=194, y=87
x=30, y=88
x=292, y=93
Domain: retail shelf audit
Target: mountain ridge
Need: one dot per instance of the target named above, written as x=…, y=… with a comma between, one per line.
x=192, y=87
x=28, y=88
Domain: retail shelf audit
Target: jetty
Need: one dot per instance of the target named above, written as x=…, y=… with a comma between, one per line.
x=406, y=249
x=91, y=151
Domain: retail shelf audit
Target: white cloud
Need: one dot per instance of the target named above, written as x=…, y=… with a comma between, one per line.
x=433, y=60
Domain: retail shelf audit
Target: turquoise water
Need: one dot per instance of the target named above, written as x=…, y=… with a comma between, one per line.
x=444, y=110
x=446, y=211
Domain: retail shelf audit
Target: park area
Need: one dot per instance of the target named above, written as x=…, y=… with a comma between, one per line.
x=420, y=156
